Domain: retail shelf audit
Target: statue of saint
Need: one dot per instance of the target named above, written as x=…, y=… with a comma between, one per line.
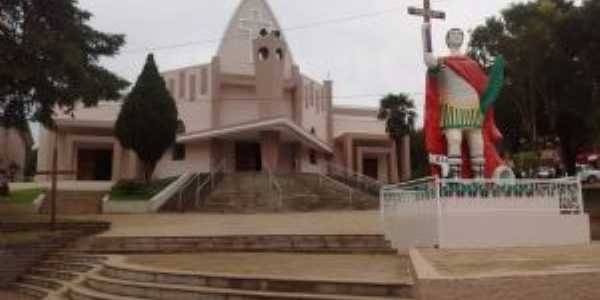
x=460, y=129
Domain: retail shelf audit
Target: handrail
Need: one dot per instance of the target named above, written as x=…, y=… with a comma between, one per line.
x=360, y=180
x=274, y=183
x=220, y=168
x=196, y=179
x=182, y=190
x=323, y=178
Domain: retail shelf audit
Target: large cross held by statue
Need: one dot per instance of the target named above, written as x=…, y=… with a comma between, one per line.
x=427, y=13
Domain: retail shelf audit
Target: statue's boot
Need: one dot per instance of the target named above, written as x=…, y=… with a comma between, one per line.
x=455, y=165
x=478, y=167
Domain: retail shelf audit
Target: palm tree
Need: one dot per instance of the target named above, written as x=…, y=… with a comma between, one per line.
x=399, y=113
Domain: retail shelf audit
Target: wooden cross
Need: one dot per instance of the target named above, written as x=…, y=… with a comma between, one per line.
x=53, y=175
x=427, y=13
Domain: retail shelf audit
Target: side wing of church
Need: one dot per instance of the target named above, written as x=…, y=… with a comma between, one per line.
x=251, y=108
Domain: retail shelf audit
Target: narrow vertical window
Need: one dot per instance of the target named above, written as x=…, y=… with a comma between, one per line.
x=204, y=81
x=172, y=86
x=181, y=84
x=193, y=90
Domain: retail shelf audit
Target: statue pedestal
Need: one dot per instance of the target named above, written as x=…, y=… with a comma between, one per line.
x=465, y=214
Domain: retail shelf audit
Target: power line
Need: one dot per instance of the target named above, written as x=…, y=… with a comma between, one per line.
x=289, y=29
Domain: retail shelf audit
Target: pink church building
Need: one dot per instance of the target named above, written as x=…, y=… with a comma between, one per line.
x=250, y=107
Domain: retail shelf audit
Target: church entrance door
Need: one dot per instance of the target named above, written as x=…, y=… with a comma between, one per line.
x=371, y=167
x=94, y=164
x=248, y=157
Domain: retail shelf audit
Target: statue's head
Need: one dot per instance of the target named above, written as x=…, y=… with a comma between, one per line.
x=455, y=39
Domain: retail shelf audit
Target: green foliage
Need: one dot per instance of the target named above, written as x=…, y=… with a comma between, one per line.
x=418, y=154
x=22, y=196
x=398, y=111
x=49, y=57
x=131, y=190
x=552, y=77
x=147, y=122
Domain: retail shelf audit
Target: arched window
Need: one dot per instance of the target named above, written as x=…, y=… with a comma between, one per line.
x=264, y=32
x=263, y=54
x=313, y=131
x=279, y=54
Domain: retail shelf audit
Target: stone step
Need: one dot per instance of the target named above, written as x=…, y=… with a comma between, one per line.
x=29, y=290
x=371, y=244
x=156, y=291
x=84, y=293
x=66, y=266
x=118, y=270
x=53, y=274
x=76, y=258
x=42, y=282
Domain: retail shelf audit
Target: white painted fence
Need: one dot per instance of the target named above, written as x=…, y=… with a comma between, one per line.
x=484, y=213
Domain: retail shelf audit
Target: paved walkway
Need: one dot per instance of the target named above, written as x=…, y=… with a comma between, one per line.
x=338, y=222
x=515, y=260
x=349, y=267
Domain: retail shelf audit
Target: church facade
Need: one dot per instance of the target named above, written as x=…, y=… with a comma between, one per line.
x=251, y=108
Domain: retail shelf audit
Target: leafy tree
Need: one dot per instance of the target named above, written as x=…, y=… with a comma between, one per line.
x=552, y=76
x=49, y=58
x=399, y=113
x=147, y=122
x=418, y=154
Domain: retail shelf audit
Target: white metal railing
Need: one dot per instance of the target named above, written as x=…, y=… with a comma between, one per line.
x=201, y=182
x=323, y=179
x=561, y=195
x=414, y=214
x=275, y=186
x=355, y=179
x=209, y=181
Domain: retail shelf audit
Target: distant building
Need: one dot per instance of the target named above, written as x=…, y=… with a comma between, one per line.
x=251, y=106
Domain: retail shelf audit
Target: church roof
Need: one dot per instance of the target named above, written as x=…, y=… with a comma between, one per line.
x=235, y=50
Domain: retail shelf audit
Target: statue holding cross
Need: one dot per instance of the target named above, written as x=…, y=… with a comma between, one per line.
x=459, y=119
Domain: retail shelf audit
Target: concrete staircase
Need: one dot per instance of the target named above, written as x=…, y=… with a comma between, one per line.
x=322, y=194
x=82, y=277
x=252, y=193
x=241, y=193
x=55, y=276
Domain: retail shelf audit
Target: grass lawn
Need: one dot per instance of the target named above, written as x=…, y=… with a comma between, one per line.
x=22, y=196
x=139, y=191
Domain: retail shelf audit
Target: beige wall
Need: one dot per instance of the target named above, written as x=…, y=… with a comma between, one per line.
x=189, y=84
x=197, y=160
x=345, y=123
x=514, y=229
x=315, y=108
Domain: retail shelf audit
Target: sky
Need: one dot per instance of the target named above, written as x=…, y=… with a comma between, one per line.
x=367, y=47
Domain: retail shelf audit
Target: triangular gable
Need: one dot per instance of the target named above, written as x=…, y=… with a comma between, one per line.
x=235, y=50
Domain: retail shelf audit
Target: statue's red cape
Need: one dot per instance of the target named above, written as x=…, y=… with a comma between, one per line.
x=435, y=140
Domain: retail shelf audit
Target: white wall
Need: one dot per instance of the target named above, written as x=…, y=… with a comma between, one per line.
x=497, y=230
x=197, y=160
x=343, y=123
